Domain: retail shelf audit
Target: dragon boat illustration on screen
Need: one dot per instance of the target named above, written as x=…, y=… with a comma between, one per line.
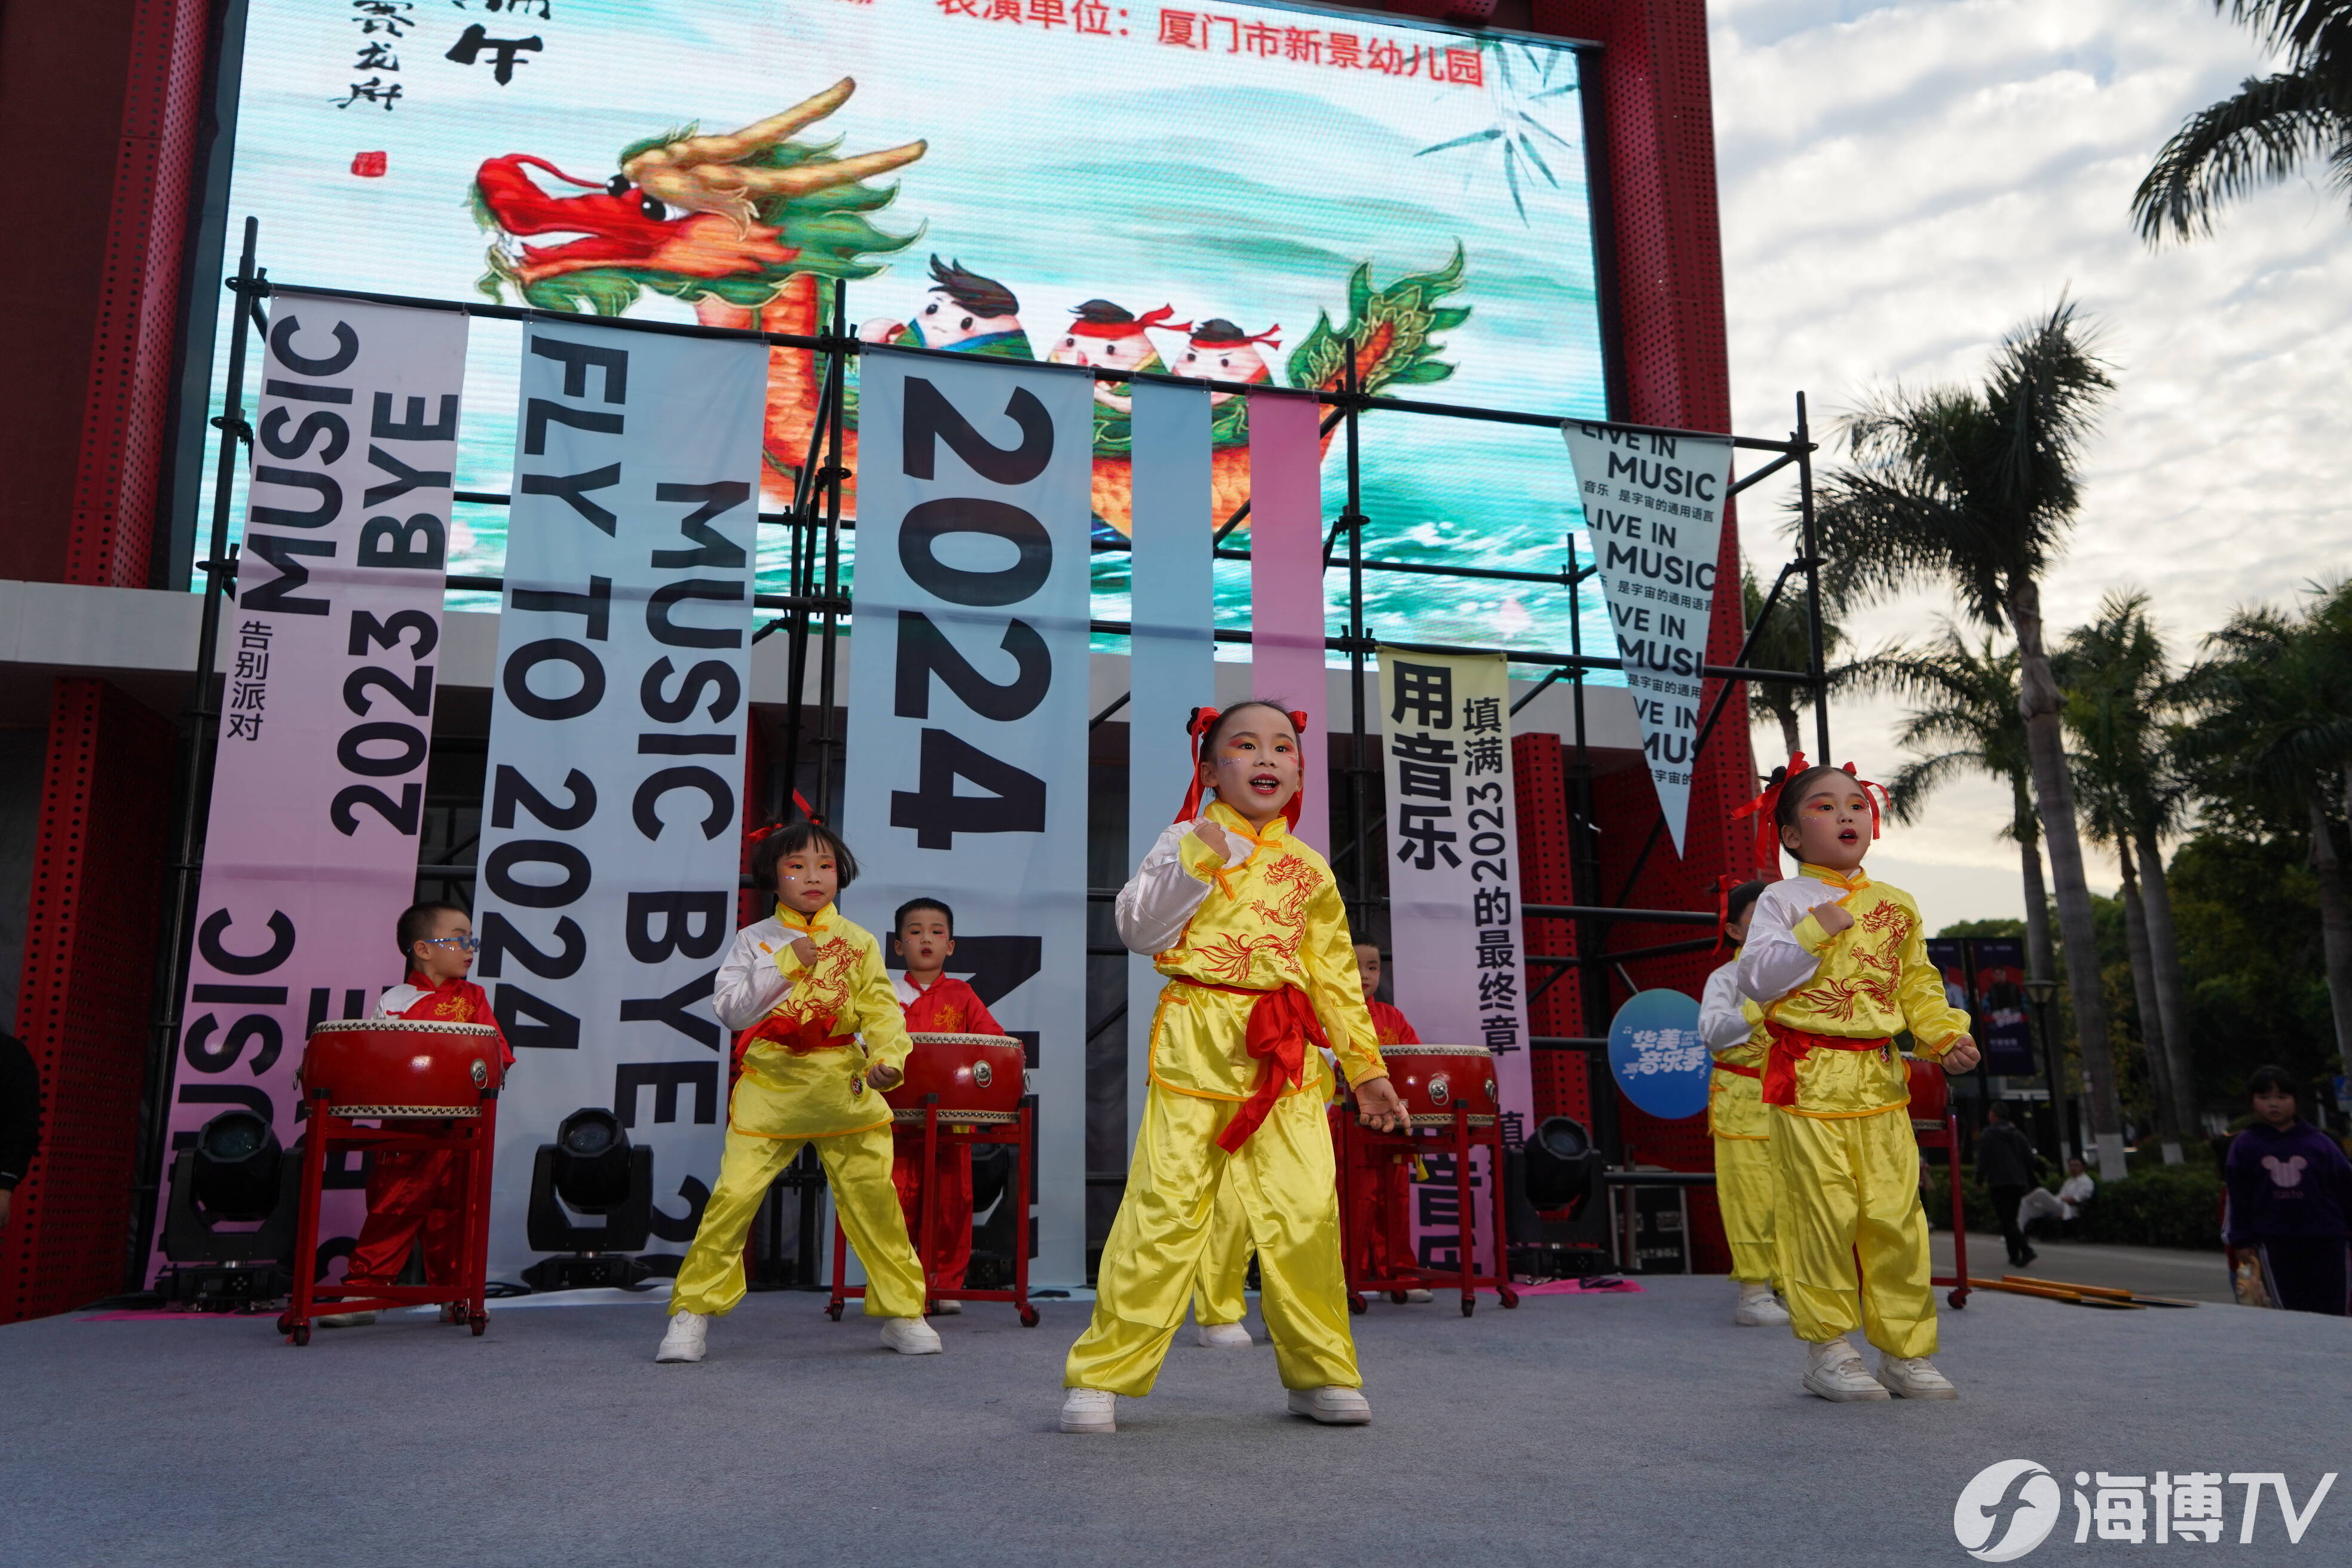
x=756, y=228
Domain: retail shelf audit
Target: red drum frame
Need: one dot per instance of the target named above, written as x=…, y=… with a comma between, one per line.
x=469, y=1130
x=923, y=1133
x=1940, y=1127
x=1458, y=1135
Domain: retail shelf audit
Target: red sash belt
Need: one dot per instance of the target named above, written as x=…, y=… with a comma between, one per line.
x=800, y=1037
x=1790, y=1046
x=1735, y=1067
x=1282, y=1024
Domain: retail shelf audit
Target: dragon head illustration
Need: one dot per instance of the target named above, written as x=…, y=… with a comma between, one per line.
x=732, y=217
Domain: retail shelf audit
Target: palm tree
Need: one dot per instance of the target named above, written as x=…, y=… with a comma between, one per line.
x=2276, y=701
x=2119, y=694
x=1974, y=487
x=2268, y=131
x=1966, y=722
x=1786, y=643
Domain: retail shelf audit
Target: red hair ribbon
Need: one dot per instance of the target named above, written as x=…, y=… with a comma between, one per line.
x=1722, y=911
x=1765, y=808
x=1202, y=722
x=759, y=833
x=1154, y=319
x=1873, y=792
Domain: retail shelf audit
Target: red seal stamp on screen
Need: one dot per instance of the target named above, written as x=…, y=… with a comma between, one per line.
x=369, y=165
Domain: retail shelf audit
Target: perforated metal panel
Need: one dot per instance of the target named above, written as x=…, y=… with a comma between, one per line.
x=87, y=998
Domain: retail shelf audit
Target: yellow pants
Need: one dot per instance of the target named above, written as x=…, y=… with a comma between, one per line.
x=1743, y=1190
x=1850, y=1185
x=857, y=1166
x=1284, y=1185
x=1221, y=1293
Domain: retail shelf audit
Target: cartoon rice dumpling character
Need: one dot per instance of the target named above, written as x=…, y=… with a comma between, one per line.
x=1220, y=350
x=966, y=313
x=1113, y=338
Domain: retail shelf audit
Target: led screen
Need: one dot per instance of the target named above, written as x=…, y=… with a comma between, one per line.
x=1230, y=192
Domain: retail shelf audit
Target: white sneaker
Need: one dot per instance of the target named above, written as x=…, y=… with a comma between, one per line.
x=1418, y=1298
x=946, y=1309
x=1834, y=1372
x=345, y=1321
x=684, y=1342
x=1915, y=1377
x=1225, y=1337
x=910, y=1336
x=1089, y=1410
x=1759, y=1307
x=1331, y=1405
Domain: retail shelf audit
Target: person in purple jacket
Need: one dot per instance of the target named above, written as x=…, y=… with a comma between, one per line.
x=2290, y=1199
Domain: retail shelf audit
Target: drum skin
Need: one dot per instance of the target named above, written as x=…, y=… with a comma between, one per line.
x=403, y=1067
x=1931, y=1091
x=967, y=1072
x=1434, y=1079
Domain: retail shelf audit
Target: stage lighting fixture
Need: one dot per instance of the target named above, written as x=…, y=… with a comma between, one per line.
x=233, y=1173
x=591, y=1168
x=236, y=1167
x=1563, y=1168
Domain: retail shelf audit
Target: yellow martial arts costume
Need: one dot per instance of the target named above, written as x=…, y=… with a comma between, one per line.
x=815, y=1093
x=1733, y=1028
x=1226, y=935
x=1836, y=1094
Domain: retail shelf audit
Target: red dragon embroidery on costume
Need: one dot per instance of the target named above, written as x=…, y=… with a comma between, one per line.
x=1231, y=956
x=754, y=229
x=821, y=991
x=1881, y=962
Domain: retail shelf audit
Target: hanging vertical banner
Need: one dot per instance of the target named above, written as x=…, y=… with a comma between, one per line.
x=611, y=827
x=967, y=770
x=1173, y=667
x=1653, y=505
x=1286, y=447
x=1454, y=916
x=327, y=657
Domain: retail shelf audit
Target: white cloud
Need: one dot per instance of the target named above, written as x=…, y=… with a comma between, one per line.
x=1902, y=183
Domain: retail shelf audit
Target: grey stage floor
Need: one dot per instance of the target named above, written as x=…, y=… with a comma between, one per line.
x=1613, y=1429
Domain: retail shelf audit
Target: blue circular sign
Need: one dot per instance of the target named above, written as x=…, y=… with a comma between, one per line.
x=1656, y=1055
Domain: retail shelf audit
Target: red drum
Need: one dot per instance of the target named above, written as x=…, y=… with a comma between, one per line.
x=977, y=1078
x=402, y=1067
x=1433, y=1081
x=1931, y=1091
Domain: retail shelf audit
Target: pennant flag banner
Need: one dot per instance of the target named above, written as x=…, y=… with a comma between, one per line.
x=327, y=658
x=1285, y=445
x=1453, y=917
x=1173, y=668
x=967, y=772
x=611, y=828
x=1653, y=505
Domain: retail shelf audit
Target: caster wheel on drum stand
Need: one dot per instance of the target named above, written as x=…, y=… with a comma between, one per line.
x=1468, y=1307
x=1510, y=1299
x=1959, y=1298
x=479, y=1321
x=301, y=1335
x=833, y=1312
x=1028, y=1317
x=1397, y=1296
x=1355, y=1304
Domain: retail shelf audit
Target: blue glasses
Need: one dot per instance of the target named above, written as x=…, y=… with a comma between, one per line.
x=463, y=943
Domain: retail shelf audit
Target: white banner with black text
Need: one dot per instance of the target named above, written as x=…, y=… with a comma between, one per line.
x=612, y=813
x=967, y=769
x=1654, y=507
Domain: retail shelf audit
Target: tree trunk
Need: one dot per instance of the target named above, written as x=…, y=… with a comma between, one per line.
x=2151, y=1025
x=2335, y=921
x=1789, y=729
x=2041, y=958
x=2053, y=795
x=2171, y=995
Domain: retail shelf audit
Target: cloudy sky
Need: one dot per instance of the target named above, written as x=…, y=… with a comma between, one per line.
x=1902, y=183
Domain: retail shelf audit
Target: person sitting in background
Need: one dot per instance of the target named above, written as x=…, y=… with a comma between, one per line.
x=2290, y=1199
x=2065, y=1205
x=2008, y=1166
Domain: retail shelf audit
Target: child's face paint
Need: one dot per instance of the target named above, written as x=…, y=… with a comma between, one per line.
x=1833, y=827
x=806, y=880
x=1255, y=767
x=448, y=952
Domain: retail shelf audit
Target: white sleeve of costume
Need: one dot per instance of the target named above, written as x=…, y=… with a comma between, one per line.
x=1721, y=1023
x=749, y=985
x=1773, y=962
x=398, y=1000
x=1159, y=902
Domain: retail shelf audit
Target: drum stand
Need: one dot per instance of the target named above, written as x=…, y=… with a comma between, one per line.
x=1459, y=1138
x=471, y=1138
x=1946, y=1135
x=931, y=1135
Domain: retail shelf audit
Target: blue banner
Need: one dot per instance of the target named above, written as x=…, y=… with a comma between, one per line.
x=1656, y=1055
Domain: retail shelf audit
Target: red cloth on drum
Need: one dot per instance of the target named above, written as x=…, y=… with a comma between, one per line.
x=945, y=1006
x=949, y=1007
x=1389, y=1025
x=413, y=1192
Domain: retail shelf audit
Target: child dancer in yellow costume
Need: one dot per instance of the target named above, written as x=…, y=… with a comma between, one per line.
x=1245, y=921
x=813, y=983
x=1733, y=1028
x=1839, y=963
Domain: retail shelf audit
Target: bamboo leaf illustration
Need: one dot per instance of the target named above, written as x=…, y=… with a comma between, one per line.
x=1511, y=177
x=1555, y=91
x=1547, y=130
x=1527, y=145
x=1489, y=134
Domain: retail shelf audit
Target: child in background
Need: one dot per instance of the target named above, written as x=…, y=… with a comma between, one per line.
x=936, y=1003
x=421, y=1192
x=1733, y=1028
x=826, y=1038
x=2290, y=1198
x=1839, y=963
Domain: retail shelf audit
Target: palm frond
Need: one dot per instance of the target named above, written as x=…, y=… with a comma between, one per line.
x=2263, y=134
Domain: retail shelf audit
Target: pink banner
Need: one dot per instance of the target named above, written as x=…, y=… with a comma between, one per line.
x=327, y=658
x=1286, y=579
